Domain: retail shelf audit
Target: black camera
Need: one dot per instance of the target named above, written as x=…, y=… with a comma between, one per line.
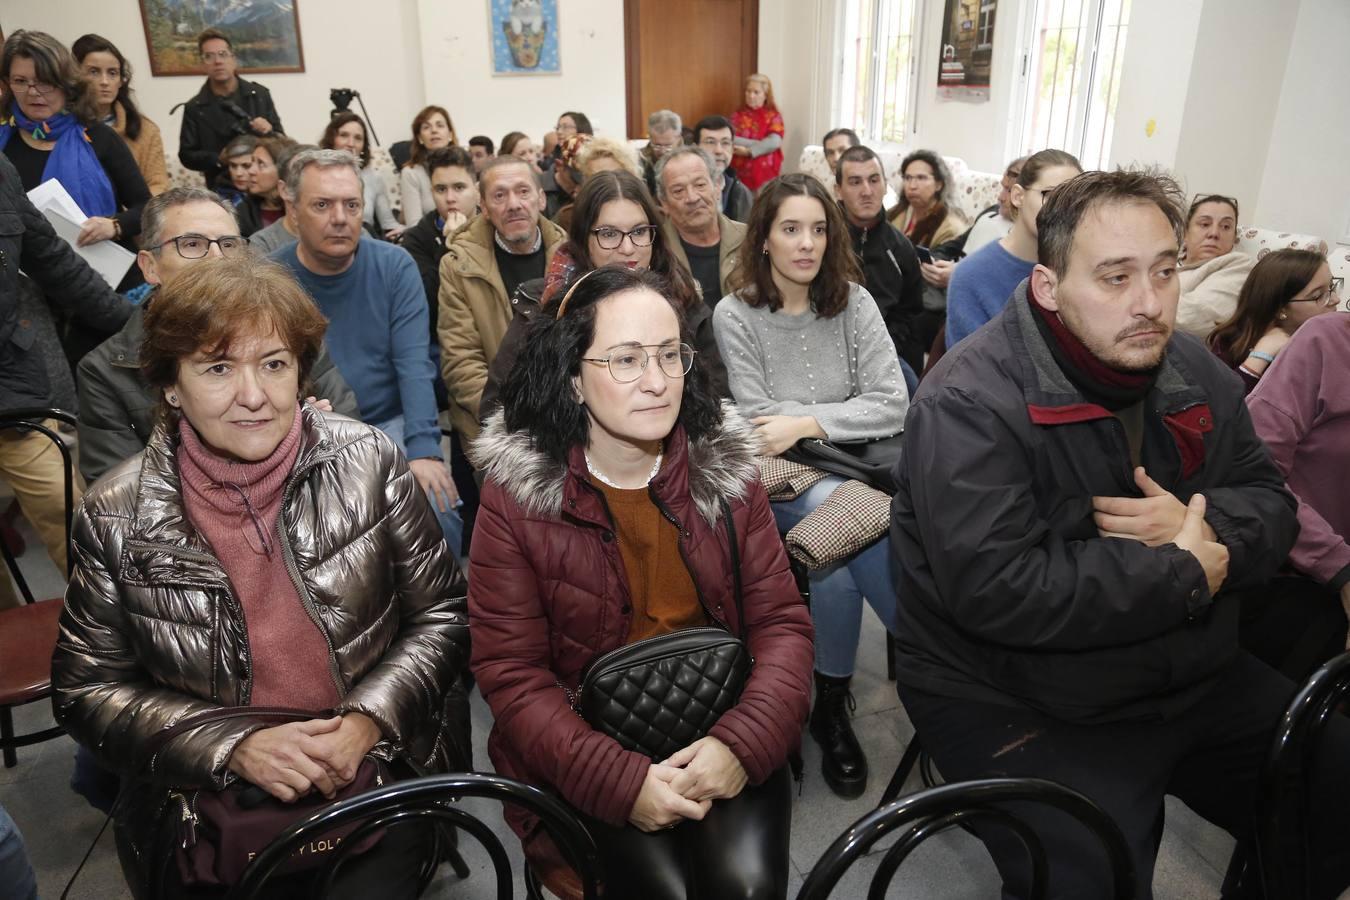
x=341, y=99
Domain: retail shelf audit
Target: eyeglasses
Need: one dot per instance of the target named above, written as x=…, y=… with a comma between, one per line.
x=23, y=85
x=217, y=54
x=612, y=238
x=197, y=246
x=916, y=178
x=628, y=364
x=1328, y=296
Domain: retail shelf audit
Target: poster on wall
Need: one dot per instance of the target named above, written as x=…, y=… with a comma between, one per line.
x=967, y=50
x=265, y=34
x=524, y=35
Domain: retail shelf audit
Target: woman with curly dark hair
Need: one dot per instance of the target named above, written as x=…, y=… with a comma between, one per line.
x=1284, y=290
x=924, y=212
x=610, y=471
x=347, y=131
x=808, y=356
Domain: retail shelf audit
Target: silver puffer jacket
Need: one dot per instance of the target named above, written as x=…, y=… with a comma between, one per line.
x=152, y=631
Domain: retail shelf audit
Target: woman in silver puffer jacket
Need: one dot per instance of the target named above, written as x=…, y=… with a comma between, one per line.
x=259, y=552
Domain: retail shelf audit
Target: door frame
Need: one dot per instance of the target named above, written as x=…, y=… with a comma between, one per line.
x=636, y=116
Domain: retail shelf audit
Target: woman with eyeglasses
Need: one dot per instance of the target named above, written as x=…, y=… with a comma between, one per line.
x=615, y=222
x=1301, y=409
x=1212, y=270
x=109, y=77
x=50, y=128
x=608, y=471
x=1285, y=289
x=982, y=284
x=808, y=356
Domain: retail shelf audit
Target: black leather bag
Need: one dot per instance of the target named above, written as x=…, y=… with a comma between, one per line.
x=659, y=695
x=871, y=462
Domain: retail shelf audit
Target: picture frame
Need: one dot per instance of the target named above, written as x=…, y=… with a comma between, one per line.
x=265, y=34
x=524, y=37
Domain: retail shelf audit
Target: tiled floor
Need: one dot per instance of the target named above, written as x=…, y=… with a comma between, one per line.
x=58, y=825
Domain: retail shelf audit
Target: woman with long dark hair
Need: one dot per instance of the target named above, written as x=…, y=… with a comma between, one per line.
x=347, y=131
x=610, y=471
x=925, y=211
x=615, y=222
x=50, y=129
x=109, y=77
x=808, y=356
x=1285, y=289
x=431, y=130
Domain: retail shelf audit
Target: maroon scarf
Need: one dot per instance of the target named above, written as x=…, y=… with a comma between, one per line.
x=1098, y=381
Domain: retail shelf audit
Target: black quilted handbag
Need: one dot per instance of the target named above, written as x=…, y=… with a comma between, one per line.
x=659, y=695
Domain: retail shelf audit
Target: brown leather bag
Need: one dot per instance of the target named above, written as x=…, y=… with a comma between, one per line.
x=218, y=833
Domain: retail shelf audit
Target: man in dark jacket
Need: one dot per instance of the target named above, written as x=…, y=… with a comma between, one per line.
x=890, y=266
x=1064, y=613
x=117, y=408
x=226, y=106
x=29, y=462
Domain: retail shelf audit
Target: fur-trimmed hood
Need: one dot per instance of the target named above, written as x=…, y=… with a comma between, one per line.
x=720, y=466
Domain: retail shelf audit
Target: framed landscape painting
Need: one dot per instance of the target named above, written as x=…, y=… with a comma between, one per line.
x=265, y=34
x=524, y=36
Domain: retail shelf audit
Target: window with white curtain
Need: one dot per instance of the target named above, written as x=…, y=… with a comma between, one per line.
x=879, y=57
x=1072, y=70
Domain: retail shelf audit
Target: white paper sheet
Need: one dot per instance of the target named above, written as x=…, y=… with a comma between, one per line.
x=51, y=194
x=106, y=258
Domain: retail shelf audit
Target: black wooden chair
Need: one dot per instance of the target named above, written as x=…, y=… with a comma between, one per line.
x=1282, y=848
x=28, y=632
x=430, y=801
x=922, y=815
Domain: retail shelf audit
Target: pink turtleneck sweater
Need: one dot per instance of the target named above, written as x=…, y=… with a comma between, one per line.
x=289, y=652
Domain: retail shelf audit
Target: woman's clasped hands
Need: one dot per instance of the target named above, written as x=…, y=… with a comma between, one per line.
x=685, y=785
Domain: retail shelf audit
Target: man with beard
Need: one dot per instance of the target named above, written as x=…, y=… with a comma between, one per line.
x=508, y=245
x=1080, y=497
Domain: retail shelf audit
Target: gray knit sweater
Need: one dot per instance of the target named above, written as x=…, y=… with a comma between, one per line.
x=843, y=371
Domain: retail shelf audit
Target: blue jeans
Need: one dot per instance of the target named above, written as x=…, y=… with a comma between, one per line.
x=452, y=526
x=17, y=880
x=837, y=591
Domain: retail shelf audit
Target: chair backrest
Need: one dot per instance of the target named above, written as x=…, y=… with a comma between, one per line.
x=920, y=816
x=399, y=153
x=33, y=420
x=1282, y=821
x=430, y=800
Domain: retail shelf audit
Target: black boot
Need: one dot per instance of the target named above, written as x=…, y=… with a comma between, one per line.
x=843, y=765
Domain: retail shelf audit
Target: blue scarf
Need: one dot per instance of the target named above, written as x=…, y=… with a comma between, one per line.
x=72, y=161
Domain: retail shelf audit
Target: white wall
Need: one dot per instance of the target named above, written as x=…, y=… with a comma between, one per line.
x=339, y=38
x=796, y=51
x=1159, y=48
x=1241, y=51
x=457, y=62
x=1306, y=183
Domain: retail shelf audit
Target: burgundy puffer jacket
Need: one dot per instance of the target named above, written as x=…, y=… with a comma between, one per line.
x=547, y=595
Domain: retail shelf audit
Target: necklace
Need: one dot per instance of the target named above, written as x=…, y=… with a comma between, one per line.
x=603, y=479
x=534, y=248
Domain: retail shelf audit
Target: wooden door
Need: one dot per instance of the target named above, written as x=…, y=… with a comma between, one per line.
x=691, y=56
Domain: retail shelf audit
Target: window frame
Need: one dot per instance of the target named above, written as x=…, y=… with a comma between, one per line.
x=871, y=128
